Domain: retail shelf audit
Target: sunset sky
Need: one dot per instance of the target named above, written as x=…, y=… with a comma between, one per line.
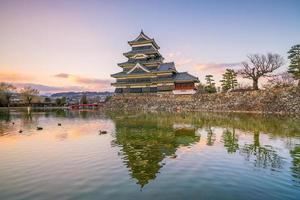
x=57, y=45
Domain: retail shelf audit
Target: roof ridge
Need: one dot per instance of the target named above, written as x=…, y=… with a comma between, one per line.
x=142, y=34
x=146, y=39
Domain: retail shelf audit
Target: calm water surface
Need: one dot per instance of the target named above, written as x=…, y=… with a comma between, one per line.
x=147, y=156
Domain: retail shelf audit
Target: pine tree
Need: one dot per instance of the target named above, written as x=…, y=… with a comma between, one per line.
x=294, y=67
x=229, y=80
x=210, y=84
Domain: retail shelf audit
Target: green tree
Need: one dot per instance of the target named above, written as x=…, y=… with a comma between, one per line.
x=295, y=154
x=210, y=86
x=229, y=80
x=58, y=101
x=47, y=100
x=263, y=156
x=230, y=141
x=6, y=92
x=61, y=101
x=211, y=137
x=294, y=67
x=83, y=99
x=259, y=65
x=29, y=94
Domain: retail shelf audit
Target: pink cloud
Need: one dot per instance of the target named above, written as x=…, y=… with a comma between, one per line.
x=48, y=89
x=215, y=67
x=200, y=69
x=179, y=59
x=195, y=66
x=174, y=55
x=184, y=62
x=83, y=80
x=89, y=83
x=44, y=89
x=77, y=83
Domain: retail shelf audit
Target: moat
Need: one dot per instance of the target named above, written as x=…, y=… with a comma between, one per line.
x=148, y=155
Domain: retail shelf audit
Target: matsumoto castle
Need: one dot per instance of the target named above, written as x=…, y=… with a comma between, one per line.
x=145, y=71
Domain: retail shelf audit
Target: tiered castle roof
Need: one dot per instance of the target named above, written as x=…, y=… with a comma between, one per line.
x=143, y=39
x=145, y=59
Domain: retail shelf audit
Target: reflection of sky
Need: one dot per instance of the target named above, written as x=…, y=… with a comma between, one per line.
x=85, y=39
x=74, y=157
x=71, y=129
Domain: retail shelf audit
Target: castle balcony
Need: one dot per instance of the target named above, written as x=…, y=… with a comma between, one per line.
x=132, y=62
x=143, y=51
x=118, y=84
x=132, y=81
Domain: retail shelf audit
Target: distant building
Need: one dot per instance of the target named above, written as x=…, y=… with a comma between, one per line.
x=16, y=99
x=145, y=71
x=74, y=97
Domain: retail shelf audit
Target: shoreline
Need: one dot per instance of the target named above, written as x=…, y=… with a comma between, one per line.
x=279, y=101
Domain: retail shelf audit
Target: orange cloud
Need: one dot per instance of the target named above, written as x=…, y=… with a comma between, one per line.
x=62, y=75
x=14, y=77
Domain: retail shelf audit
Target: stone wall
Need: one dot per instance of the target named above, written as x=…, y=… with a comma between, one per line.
x=283, y=100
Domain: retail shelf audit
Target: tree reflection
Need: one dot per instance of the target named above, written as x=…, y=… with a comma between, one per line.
x=5, y=118
x=146, y=142
x=5, y=114
x=261, y=156
x=211, y=137
x=230, y=141
x=295, y=154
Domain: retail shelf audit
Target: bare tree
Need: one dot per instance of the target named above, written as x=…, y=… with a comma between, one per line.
x=259, y=66
x=28, y=94
x=6, y=91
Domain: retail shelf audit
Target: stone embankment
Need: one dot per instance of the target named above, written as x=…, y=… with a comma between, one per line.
x=282, y=100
